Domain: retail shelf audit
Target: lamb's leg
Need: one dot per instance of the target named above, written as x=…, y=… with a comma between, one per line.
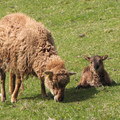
x=15, y=93
x=79, y=85
x=96, y=84
x=3, y=94
x=43, y=91
x=82, y=84
x=12, y=82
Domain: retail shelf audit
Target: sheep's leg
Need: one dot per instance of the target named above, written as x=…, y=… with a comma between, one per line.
x=12, y=82
x=43, y=91
x=3, y=94
x=22, y=88
x=15, y=93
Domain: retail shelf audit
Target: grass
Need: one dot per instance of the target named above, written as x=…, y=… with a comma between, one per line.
x=68, y=20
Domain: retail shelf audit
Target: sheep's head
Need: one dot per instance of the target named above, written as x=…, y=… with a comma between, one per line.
x=56, y=83
x=96, y=62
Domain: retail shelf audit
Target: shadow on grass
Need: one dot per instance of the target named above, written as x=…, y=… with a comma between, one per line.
x=72, y=94
x=37, y=97
x=76, y=95
x=33, y=97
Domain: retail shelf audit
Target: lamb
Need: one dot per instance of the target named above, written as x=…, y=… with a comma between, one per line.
x=95, y=74
x=28, y=48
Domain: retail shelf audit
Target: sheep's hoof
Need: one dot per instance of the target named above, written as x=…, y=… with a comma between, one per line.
x=13, y=100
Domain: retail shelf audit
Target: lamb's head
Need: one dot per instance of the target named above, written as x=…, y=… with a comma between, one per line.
x=96, y=62
x=56, y=83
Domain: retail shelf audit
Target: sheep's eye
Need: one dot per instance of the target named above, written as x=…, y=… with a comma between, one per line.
x=91, y=62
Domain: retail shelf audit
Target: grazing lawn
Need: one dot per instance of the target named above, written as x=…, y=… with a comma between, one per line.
x=80, y=28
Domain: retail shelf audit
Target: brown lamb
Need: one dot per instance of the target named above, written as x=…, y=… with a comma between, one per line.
x=27, y=48
x=94, y=74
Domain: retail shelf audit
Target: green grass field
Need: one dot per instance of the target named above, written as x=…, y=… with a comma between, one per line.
x=69, y=20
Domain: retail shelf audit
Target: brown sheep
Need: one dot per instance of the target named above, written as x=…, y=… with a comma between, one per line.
x=94, y=74
x=27, y=48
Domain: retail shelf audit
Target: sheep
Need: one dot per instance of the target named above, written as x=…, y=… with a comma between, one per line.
x=28, y=48
x=94, y=74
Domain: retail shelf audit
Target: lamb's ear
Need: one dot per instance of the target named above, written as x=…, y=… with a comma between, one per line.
x=49, y=74
x=104, y=57
x=71, y=73
x=87, y=58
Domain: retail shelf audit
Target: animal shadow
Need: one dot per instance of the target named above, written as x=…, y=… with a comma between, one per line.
x=32, y=97
x=71, y=95
x=37, y=97
x=77, y=95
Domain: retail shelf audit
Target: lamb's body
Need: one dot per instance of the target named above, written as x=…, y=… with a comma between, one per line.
x=26, y=47
x=94, y=74
x=90, y=78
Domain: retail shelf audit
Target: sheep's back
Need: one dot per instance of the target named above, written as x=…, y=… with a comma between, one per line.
x=25, y=40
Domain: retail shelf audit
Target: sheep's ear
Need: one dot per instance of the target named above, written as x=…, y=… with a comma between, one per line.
x=71, y=73
x=49, y=74
x=104, y=57
x=87, y=58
